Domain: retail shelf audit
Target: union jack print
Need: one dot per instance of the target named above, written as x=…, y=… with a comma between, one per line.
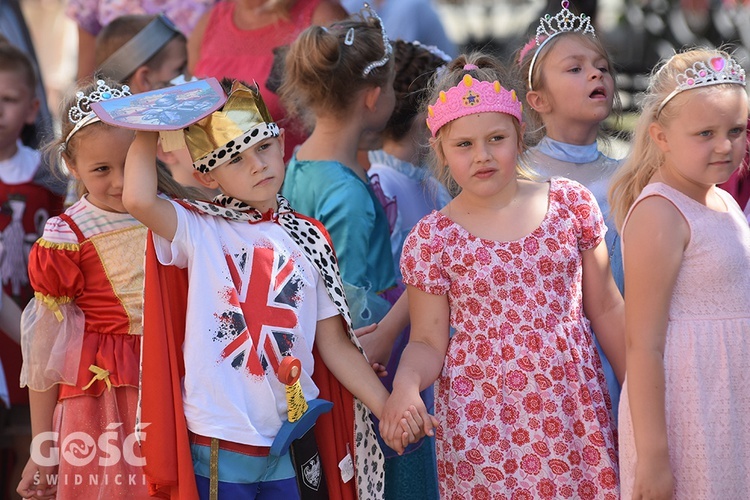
x=266, y=291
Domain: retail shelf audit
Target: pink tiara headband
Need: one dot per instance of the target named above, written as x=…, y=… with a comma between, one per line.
x=716, y=71
x=551, y=26
x=469, y=97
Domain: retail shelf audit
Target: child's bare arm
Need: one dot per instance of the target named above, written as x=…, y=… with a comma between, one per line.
x=421, y=361
x=604, y=307
x=655, y=239
x=348, y=365
x=139, y=193
x=42, y=404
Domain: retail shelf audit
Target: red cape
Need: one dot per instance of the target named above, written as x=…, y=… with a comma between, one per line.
x=169, y=465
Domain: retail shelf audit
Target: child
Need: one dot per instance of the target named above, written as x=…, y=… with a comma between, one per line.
x=147, y=53
x=29, y=195
x=684, y=429
x=341, y=79
x=398, y=167
x=264, y=25
x=143, y=52
x=81, y=334
x=520, y=270
x=570, y=91
x=253, y=250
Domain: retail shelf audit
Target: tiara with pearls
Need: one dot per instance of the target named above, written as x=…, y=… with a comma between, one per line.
x=386, y=43
x=716, y=71
x=81, y=114
x=469, y=97
x=551, y=26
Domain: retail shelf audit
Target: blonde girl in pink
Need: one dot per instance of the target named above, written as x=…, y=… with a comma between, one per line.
x=685, y=407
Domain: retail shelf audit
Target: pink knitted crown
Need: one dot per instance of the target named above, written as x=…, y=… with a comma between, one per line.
x=469, y=97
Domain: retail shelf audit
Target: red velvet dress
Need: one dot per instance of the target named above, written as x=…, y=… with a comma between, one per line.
x=82, y=333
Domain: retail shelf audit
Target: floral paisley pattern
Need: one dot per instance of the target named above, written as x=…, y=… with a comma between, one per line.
x=521, y=399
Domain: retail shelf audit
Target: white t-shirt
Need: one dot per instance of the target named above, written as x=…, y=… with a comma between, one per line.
x=253, y=298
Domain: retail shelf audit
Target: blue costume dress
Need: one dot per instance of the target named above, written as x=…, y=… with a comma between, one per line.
x=587, y=165
x=346, y=205
x=357, y=223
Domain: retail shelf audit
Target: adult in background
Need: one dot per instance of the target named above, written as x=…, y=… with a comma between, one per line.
x=214, y=47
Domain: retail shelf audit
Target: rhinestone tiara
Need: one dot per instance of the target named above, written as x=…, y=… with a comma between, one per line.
x=81, y=113
x=716, y=71
x=562, y=22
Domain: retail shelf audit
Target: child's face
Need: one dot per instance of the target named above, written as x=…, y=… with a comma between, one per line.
x=18, y=108
x=174, y=64
x=578, y=85
x=99, y=164
x=705, y=142
x=254, y=176
x=481, y=152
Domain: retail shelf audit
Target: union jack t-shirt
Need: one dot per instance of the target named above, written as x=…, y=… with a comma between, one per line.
x=253, y=298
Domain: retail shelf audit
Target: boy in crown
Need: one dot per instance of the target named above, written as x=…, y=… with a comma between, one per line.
x=263, y=285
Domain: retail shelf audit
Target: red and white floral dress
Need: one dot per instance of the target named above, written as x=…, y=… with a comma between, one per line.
x=522, y=403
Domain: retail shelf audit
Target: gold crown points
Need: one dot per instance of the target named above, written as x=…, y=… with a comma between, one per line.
x=713, y=72
x=563, y=22
x=103, y=92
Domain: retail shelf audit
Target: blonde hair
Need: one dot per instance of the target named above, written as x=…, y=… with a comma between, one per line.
x=645, y=157
x=67, y=150
x=534, y=121
x=487, y=69
x=323, y=74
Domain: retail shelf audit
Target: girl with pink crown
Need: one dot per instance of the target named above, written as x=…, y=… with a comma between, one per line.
x=685, y=407
x=520, y=270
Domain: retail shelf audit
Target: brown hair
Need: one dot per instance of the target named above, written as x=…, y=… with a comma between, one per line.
x=67, y=150
x=119, y=32
x=14, y=59
x=323, y=74
x=487, y=69
x=415, y=67
x=535, y=123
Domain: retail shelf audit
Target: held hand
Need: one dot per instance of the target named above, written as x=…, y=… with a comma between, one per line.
x=653, y=480
x=376, y=348
x=415, y=428
x=359, y=332
x=34, y=482
x=380, y=370
x=395, y=427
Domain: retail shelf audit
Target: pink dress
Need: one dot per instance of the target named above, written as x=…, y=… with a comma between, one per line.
x=522, y=402
x=707, y=393
x=247, y=55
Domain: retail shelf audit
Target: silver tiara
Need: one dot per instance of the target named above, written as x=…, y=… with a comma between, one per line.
x=386, y=44
x=562, y=22
x=716, y=71
x=81, y=114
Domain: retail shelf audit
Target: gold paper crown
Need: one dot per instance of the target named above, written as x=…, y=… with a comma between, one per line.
x=243, y=121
